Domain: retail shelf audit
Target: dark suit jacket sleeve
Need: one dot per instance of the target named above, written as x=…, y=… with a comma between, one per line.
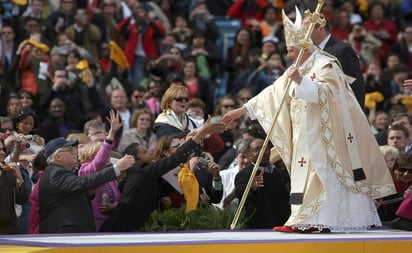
x=215, y=195
x=166, y=164
x=241, y=181
x=21, y=194
x=66, y=181
x=351, y=67
x=157, y=169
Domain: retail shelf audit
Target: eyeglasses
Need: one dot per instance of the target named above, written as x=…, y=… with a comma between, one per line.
x=175, y=145
x=403, y=170
x=3, y=130
x=228, y=106
x=182, y=99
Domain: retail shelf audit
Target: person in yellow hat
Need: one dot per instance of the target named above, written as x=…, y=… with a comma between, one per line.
x=34, y=66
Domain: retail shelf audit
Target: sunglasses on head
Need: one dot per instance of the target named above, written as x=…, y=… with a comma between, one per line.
x=182, y=99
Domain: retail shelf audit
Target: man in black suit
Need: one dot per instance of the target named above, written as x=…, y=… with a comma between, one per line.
x=268, y=199
x=347, y=57
x=63, y=201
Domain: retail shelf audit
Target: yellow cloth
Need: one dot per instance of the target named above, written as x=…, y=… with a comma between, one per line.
x=188, y=182
x=41, y=46
x=83, y=65
x=19, y=2
x=372, y=98
x=118, y=56
x=407, y=101
x=362, y=6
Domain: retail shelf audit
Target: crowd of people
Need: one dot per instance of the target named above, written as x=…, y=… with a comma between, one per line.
x=109, y=111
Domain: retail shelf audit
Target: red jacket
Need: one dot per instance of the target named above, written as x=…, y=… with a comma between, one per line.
x=153, y=32
x=236, y=10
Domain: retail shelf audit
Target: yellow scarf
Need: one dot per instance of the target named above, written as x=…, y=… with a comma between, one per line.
x=188, y=182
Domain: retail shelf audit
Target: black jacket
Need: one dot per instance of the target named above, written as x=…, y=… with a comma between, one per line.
x=64, y=204
x=267, y=206
x=350, y=64
x=140, y=191
x=10, y=194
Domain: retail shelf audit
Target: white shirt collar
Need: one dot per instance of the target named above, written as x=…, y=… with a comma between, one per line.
x=322, y=45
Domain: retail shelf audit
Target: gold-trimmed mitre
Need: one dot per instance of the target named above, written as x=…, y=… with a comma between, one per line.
x=294, y=32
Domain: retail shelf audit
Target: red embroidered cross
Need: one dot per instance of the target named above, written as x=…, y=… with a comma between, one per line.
x=350, y=137
x=302, y=161
x=313, y=76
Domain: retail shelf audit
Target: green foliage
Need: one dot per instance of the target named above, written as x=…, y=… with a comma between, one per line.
x=205, y=217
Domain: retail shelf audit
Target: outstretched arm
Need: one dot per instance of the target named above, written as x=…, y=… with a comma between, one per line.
x=233, y=115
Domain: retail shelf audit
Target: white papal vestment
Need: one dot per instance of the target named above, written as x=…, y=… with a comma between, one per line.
x=324, y=139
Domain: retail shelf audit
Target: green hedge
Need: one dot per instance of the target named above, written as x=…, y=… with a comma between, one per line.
x=205, y=217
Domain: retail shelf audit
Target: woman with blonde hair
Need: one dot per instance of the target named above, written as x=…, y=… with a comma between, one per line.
x=174, y=119
x=95, y=156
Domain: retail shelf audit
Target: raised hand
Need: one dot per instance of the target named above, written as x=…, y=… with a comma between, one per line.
x=258, y=181
x=115, y=123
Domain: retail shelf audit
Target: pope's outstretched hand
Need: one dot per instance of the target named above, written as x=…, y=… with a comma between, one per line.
x=233, y=115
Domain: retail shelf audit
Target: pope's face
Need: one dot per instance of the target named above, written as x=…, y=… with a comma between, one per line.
x=293, y=53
